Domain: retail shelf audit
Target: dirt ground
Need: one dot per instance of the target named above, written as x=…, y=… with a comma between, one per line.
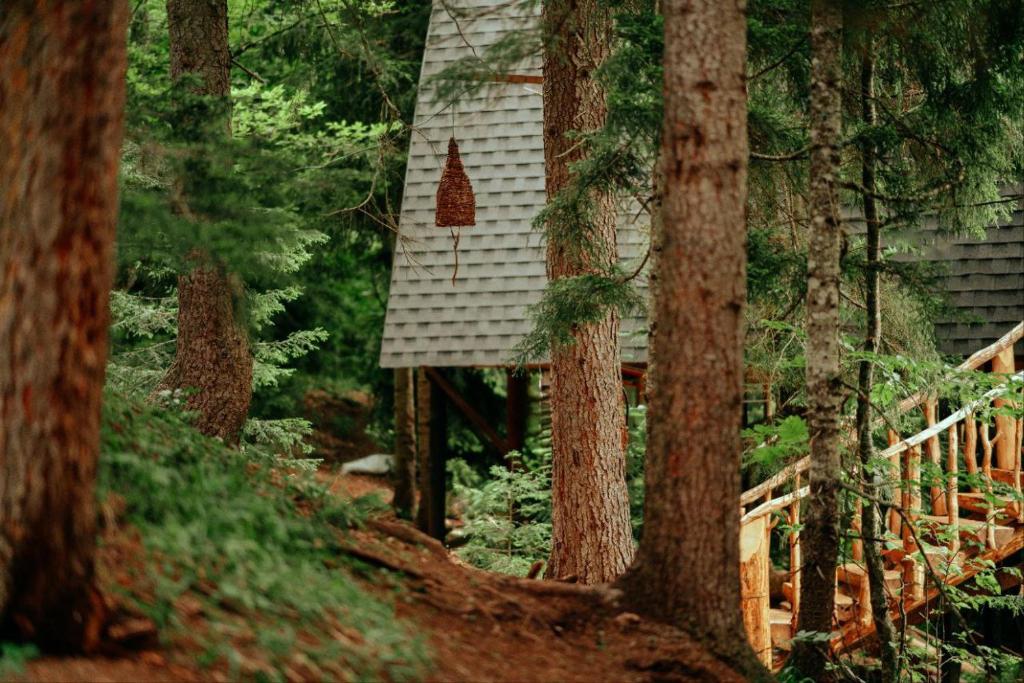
x=480, y=626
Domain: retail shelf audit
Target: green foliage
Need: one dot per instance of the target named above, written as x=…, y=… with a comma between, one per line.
x=14, y=657
x=508, y=515
x=226, y=527
x=316, y=153
x=573, y=301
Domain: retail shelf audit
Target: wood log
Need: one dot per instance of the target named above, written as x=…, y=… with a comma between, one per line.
x=931, y=449
x=913, y=577
x=795, y=555
x=1018, y=456
x=952, y=490
x=1006, y=427
x=755, y=570
x=895, y=523
x=986, y=467
x=971, y=447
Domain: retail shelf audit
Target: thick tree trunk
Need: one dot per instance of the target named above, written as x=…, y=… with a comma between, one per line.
x=405, y=444
x=62, y=71
x=687, y=570
x=591, y=537
x=212, y=362
x=821, y=532
x=871, y=522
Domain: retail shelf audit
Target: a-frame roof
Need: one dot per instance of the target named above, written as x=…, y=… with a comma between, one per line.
x=501, y=272
x=501, y=265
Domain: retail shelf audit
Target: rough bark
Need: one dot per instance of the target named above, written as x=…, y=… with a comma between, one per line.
x=591, y=535
x=687, y=569
x=212, y=362
x=405, y=444
x=62, y=70
x=871, y=521
x=821, y=532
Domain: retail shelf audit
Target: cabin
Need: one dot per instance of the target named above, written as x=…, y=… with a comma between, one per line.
x=468, y=306
x=461, y=297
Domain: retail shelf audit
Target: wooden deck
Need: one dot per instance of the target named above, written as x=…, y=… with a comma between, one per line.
x=943, y=535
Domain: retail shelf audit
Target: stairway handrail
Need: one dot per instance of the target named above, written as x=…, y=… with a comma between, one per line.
x=948, y=422
x=973, y=362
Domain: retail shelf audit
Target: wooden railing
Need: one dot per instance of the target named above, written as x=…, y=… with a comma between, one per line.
x=963, y=433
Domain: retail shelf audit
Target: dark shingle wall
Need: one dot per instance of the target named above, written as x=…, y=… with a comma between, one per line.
x=984, y=280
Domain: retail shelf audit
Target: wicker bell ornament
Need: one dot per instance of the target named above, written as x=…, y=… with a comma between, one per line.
x=456, y=205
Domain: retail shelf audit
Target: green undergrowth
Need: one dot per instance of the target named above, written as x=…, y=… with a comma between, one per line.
x=253, y=544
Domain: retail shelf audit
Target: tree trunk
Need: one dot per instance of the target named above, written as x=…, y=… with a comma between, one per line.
x=687, y=570
x=62, y=71
x=591, y=535
x=212, y=360
x=871, y=522
x=821, y=532
x=405, y=444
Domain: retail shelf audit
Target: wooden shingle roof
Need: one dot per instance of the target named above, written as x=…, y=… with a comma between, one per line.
x=501, y=261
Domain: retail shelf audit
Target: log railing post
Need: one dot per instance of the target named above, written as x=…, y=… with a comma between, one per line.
x=952, y=490
x=931, y=447
x=895, y=523
x=1018, y=455
x=971, y=448
x=986, y=468
x=912, y=571
x=1005, y=424
x=795, y=558
x=857, y=527
x=755, y=569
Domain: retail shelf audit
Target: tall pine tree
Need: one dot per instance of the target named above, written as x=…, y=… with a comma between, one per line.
x=591, y=535
x=62, y=84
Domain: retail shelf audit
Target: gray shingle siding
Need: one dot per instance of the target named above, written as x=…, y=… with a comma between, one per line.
x=984, y=280
x=501, y=270
x=478, y=321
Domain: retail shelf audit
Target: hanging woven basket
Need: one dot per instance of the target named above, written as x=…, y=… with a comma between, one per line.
x=456, y=205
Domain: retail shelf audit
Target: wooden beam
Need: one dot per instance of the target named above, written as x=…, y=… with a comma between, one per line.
x=754, y=588
x=475, y=419
x=517, y=404
x=438, y=487
x=770, y=506
x=1006, y=426
x=423, y=450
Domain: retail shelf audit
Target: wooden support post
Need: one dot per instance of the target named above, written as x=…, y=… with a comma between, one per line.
x=857, y=527
x=517, y=404
x=1018, y=456
x=938, y=502
x=971, y=447
x=986, y=468
x=438, y=458
x=952, y=490
x=404, y=475
x=489, y=436
x=1006, y=428
x=423, y=450
x=895, y=523
x=754, y=586
x=795, y=556
x=912, y=569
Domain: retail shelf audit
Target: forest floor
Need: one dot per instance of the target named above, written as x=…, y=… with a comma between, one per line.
x=477, y=625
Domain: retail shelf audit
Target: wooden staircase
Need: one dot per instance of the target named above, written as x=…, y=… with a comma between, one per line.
x=945, y=536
